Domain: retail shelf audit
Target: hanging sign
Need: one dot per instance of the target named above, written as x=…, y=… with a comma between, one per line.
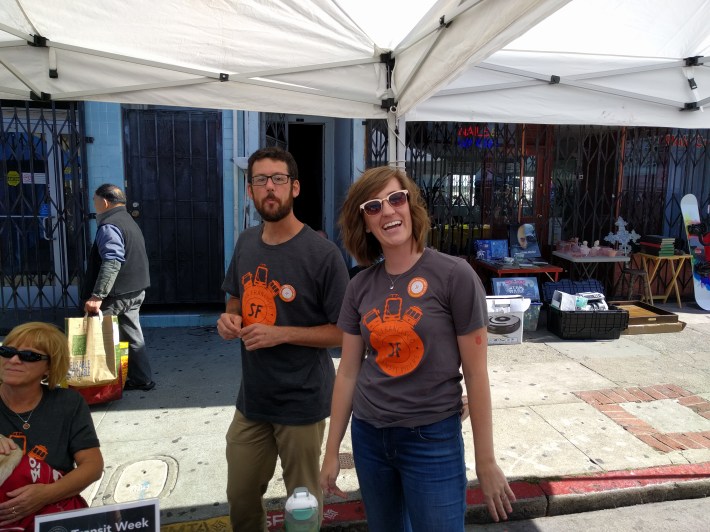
x=13, y=178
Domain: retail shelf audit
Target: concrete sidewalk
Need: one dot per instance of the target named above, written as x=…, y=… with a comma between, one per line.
x=579, y=425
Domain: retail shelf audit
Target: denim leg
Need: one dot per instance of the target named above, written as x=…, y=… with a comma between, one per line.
x=412, y=479
x=379, y=480
x=129, y=326
x=431, y=463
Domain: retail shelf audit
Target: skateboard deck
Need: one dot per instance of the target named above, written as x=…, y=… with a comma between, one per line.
x=698, y=235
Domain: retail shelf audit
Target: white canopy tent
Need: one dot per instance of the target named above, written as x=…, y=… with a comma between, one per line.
x=318, y=57
x=604, y=62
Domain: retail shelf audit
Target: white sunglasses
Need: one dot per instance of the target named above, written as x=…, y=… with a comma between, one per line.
x=373, y=207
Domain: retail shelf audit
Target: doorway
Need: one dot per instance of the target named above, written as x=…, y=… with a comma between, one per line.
x=306, y=144
x=173, y=160
x=42, y=216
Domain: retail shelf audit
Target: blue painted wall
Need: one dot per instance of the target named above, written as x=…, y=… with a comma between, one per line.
x=105, y=154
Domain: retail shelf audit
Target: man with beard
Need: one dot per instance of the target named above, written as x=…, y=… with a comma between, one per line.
x=285, y=284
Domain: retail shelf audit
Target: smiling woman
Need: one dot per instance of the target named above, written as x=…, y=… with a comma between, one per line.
x=49, y=451
x=419, y=317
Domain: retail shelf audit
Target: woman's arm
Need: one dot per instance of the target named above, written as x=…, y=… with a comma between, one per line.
x=340, y=410
x=496, y=492
x=29, y=499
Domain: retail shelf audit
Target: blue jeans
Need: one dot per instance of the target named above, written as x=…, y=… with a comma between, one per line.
x=411, y=479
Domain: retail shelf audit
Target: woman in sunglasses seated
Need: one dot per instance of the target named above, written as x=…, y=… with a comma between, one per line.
x=410, y=323
x=49, y=451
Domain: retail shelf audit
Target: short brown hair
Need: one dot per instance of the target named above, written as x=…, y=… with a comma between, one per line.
x=277, y=154
x=47, y=338
x=363, y=246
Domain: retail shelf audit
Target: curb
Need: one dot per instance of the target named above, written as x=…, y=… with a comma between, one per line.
x=542, y=498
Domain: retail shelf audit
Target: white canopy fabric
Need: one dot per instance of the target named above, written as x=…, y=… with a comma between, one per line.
x=605, y=62
x=318, y=57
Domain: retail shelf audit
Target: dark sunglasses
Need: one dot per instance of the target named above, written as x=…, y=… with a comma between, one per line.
x=373, y=207
x=25, y=355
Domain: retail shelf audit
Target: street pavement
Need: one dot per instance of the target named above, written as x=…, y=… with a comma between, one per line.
x=690, y=515
x=578, y=426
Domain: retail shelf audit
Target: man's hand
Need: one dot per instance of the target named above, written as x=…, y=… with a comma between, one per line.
x=229, y=326
x=259, y=336
x=93, y=305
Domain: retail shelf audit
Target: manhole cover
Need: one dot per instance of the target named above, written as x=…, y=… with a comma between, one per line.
x=346, y=461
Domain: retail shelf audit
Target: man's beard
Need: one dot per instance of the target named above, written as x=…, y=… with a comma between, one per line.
x=280, y=212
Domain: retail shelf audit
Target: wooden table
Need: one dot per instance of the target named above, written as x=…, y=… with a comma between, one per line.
x=588, y=265
x=651, y=265
x=487, y=268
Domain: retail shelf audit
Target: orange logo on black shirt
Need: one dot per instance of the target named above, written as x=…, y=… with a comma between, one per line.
x=399, y=348
x=258, y=305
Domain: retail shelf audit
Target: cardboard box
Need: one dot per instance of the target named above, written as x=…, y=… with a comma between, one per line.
x=565, y=301
x=491, y=249
x=505, y=319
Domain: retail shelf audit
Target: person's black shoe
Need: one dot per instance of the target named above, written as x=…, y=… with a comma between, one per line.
x=146, y=386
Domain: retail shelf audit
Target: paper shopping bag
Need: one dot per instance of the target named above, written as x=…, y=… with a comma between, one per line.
x=93, y=350
x=113, y=391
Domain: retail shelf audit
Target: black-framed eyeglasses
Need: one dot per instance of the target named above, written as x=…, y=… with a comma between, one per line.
x=373, y=207
x=25, y=355
x=276, y=179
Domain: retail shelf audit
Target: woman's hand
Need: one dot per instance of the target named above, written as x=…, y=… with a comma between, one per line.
x=6, y=445
x=496, y=493
x=464, y=408
x=329, y=475
x=24, y=501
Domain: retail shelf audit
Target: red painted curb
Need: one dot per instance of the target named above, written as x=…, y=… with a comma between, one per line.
x=354, y=511
x=626, y=479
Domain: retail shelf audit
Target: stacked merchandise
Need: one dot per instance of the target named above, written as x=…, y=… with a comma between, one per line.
x=660, y=246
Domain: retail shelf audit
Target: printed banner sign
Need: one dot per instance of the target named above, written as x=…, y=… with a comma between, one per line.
x=139, y=516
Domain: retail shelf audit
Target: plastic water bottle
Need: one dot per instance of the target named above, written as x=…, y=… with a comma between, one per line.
x=302, y=512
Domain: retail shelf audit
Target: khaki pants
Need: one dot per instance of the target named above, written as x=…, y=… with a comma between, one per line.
x=252, y=449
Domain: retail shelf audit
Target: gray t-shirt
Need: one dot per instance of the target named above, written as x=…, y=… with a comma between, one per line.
x=410, y=374
x=298, y=283
x=61, y=423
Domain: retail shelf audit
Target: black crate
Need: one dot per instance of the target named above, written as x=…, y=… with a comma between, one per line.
x=588, y=324
x=570, y=287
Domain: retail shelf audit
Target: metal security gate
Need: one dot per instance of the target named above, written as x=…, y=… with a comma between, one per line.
x=569, y=181
x=43, y=222
x=174, y=189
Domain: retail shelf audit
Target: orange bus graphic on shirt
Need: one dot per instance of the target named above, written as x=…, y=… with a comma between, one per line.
x=399, y=348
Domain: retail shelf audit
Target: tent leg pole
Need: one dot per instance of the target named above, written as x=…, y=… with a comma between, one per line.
x=396, y=140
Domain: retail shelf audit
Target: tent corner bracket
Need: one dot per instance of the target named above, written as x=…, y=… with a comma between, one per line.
x=389, y=104
x=41, y=97
x=443, y=23
x=388, y=59
x=691, y=106
x=38, y=41
x=223, y=76
x=554, y=80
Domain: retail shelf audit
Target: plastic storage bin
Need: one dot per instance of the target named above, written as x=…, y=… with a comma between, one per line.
x=588, y=324
x=570, y=287
x=526, y=287
x=531, y=316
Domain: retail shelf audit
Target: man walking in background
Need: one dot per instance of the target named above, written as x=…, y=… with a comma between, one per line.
x=117, y=277
x=286, y=284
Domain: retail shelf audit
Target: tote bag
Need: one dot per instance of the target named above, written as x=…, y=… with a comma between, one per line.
x=93, y=350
